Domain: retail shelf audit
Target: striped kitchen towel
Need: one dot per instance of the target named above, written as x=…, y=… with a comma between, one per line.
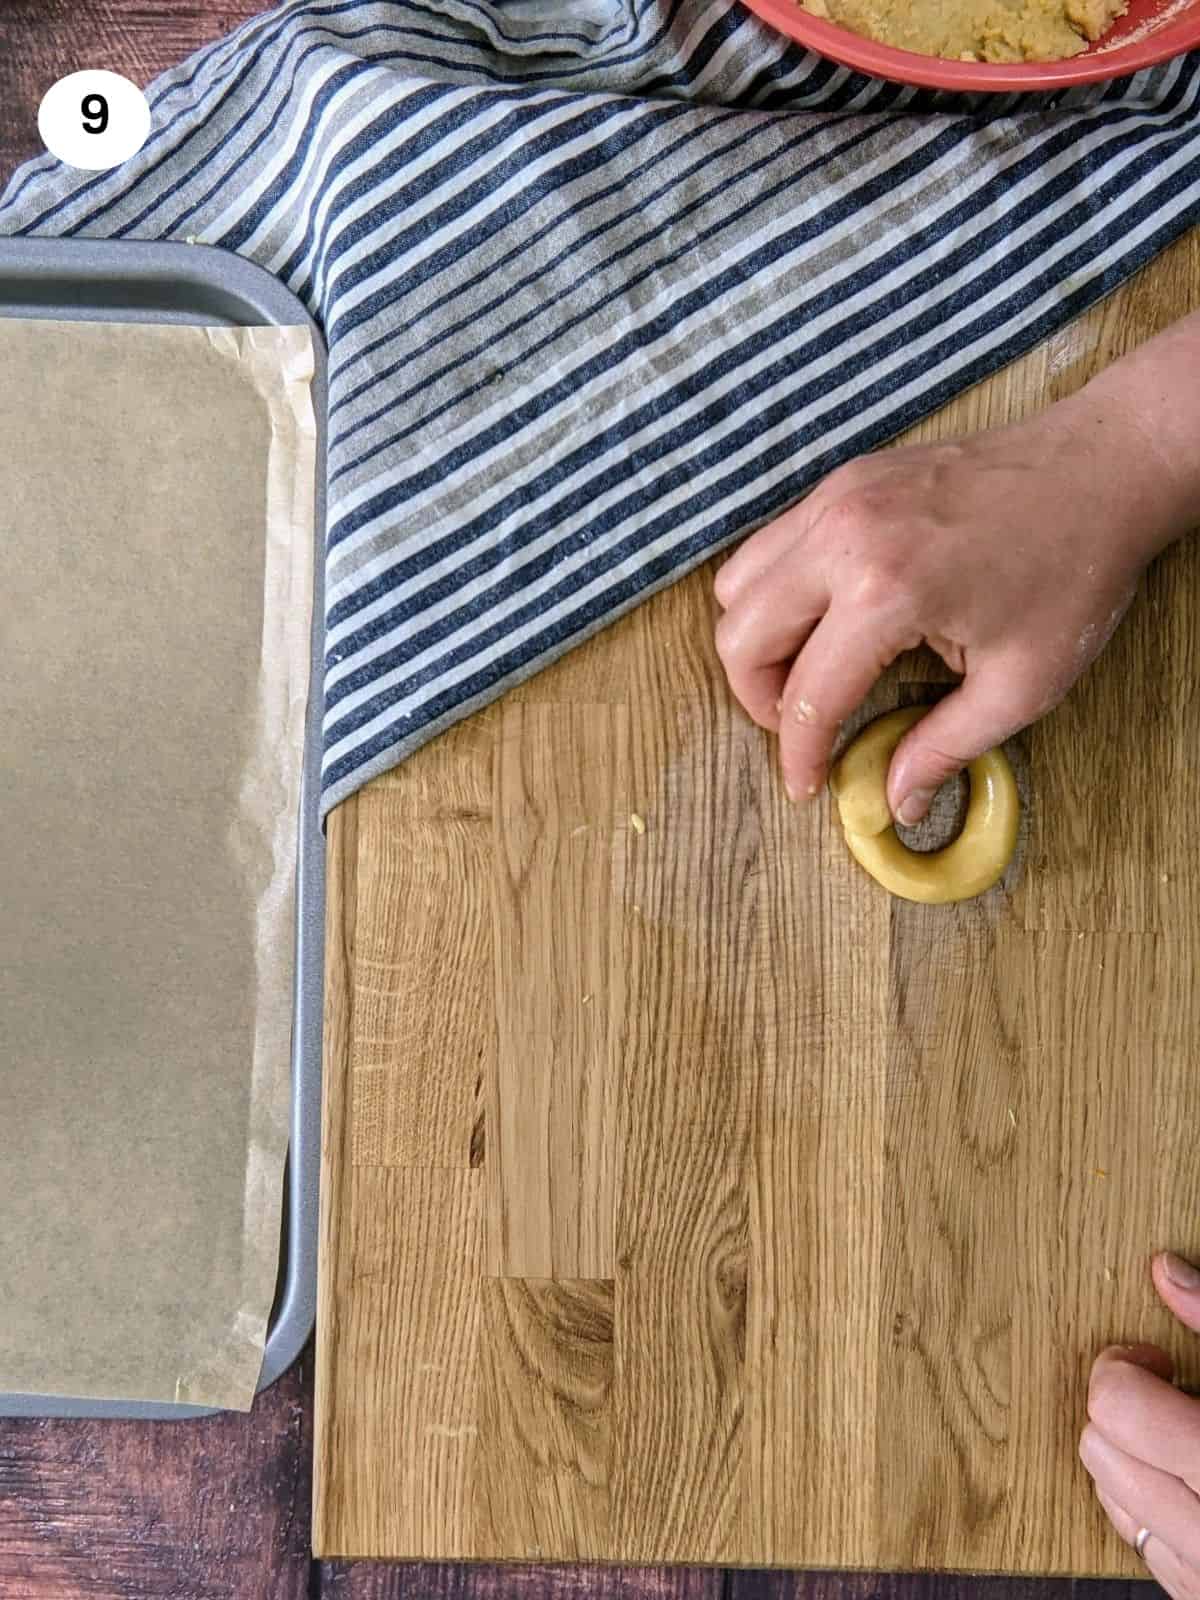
x=606, y=284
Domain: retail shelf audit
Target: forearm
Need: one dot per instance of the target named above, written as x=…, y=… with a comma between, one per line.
x=1143, y=415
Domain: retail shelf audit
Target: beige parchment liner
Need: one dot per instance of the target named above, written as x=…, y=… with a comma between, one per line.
x=156, y=549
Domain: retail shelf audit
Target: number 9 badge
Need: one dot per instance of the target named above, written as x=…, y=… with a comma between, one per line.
x=94, y=120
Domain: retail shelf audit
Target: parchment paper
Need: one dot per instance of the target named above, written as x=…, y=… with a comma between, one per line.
x=156, y=547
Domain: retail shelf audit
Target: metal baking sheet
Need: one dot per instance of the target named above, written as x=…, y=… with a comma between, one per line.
x=84, y=280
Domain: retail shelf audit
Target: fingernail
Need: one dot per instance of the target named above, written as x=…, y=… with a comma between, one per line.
x=790, y=792
x=1181, y=1273
x=914, y=806
x=779, y=704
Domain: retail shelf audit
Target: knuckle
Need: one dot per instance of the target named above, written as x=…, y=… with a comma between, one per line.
x=927, y=764
x=936, y=765
x=873, y=541
x=848, y=515
x=884, y=582
x=727, y=639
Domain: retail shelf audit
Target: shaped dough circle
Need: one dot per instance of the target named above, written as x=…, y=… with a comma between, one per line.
x=969, y=865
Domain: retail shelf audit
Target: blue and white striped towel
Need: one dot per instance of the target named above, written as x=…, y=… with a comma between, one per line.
x=607, y=284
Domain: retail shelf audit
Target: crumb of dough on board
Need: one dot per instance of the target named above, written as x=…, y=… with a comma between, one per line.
x=977, y=30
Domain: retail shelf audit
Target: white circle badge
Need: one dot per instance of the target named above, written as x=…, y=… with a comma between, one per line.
x=94, y=120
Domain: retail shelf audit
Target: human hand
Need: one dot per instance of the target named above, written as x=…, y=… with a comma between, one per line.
x=1142, y=1444
x=1012, y=553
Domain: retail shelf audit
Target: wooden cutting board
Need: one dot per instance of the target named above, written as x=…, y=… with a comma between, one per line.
x=685, y=1198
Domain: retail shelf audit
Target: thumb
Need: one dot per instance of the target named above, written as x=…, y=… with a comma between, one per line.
x=982, y=712
x=1178, y=1284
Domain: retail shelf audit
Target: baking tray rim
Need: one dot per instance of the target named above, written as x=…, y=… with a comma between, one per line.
x=102, y=280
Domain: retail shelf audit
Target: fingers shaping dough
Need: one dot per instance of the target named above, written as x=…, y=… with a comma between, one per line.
x=969, y=864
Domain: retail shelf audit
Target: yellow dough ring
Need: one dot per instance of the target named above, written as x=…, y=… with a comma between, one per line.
x=971, y=863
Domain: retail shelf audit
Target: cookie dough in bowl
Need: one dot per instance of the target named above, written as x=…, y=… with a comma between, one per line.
x=977, y=30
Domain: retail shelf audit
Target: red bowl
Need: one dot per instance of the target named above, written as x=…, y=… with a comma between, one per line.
x=1151, y=31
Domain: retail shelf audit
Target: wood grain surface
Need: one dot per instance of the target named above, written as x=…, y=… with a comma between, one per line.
x=214, y=1509
x=687, y=1200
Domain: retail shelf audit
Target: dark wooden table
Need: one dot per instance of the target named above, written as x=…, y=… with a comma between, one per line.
x=219, y=1509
